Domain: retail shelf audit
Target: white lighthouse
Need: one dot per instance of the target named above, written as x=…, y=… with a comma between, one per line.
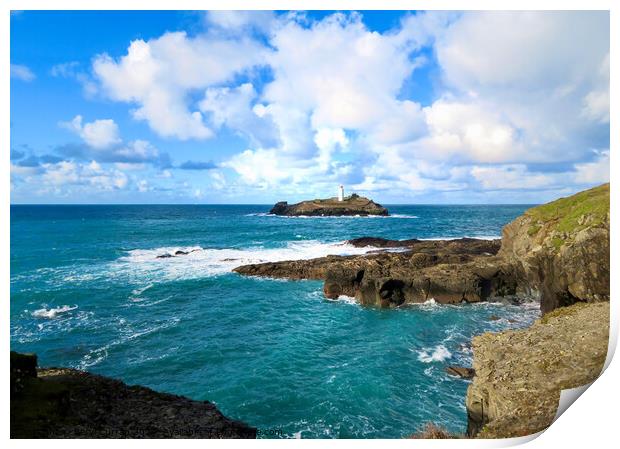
x=341, y=193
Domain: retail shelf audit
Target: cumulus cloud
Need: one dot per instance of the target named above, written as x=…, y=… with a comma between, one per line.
x=22, y=72
x=240, y=20
x=330, y=106
x=65, y=173
x=98, y=134
x=102, y=142
x=159, y=76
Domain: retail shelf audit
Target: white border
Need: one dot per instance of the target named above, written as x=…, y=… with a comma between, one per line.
x=590, y=422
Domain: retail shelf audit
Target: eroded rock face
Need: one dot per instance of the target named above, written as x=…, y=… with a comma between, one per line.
x=561, y=249
x=449, y=271
x=352, y=205
x=519, y=374
x=67, y=403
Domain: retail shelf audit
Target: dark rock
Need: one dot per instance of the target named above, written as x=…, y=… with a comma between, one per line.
x=379, y=242
x=352, y=205
x=67, y=403
x=181, y=253
x=460, y=371
x=449, y=271
x=164, y=256
x=23, y=368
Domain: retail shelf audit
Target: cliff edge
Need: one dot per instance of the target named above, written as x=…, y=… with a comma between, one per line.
x=560, y=252
x=561, y=249
x=520, y=374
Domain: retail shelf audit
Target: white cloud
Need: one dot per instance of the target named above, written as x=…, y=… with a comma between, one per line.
x=99, y=134
x=513, y=177
x=92, y=174
x=159, y=75
x=22, y=72
x=235, y=108
x=516, y=92
x=240, y=20
x=595, y=172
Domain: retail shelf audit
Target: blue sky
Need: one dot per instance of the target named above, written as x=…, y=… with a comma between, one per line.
x=256, y=107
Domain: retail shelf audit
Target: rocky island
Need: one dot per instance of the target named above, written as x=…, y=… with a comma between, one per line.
x=346, y=206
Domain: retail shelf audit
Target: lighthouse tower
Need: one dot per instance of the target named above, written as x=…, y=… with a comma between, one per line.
x=341, y=193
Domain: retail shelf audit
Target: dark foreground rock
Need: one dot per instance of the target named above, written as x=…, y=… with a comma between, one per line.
x=67, y=403
x=520, y=373
x=352, y=205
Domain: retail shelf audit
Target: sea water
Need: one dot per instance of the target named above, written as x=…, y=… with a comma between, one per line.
x=88, y=291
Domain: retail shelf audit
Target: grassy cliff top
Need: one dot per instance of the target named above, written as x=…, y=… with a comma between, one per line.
x=568, y=214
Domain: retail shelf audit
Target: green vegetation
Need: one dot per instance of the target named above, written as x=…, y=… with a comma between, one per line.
x=589, y=208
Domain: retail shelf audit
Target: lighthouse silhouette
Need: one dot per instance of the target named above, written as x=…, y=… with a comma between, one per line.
x=341, y=193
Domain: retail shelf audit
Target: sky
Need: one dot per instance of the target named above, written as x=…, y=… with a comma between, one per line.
x=243, y=107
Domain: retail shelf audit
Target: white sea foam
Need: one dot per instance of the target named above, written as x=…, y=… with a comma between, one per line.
x=437, y=354
x=53, y=312
x=401, y=216
x=205, y=262
x=346, y=299
x=139, y=291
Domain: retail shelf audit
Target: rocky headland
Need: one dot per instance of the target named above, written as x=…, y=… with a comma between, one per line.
x=68, y=403
x=350, y=206
x=450, y=271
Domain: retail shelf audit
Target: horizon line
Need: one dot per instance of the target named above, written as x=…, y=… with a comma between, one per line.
x=260, y=204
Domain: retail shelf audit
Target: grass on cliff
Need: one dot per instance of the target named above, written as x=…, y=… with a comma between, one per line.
x=567, y=213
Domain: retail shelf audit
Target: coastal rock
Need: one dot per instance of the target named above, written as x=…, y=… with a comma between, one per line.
x=378, y=242
x=461, y=371
x=449, y=271
x=520, y=373
x=351, y=205
x=561, y=249
x=67, y=403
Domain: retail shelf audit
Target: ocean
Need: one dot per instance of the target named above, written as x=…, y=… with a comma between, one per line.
x=88, y=291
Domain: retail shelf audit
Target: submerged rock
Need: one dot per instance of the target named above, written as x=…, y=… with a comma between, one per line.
x=352, y=205
x=67, y=403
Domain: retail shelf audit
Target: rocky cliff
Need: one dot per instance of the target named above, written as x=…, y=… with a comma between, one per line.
x=561, y=249
x=560, y=252
x=67, y=403
x=520, y=374
x=352, y=205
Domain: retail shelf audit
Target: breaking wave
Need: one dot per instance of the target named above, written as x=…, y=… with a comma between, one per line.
x=53, y=312
x=197, y=262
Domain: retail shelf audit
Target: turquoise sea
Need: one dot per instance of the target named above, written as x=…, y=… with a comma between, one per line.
x=87, y=291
